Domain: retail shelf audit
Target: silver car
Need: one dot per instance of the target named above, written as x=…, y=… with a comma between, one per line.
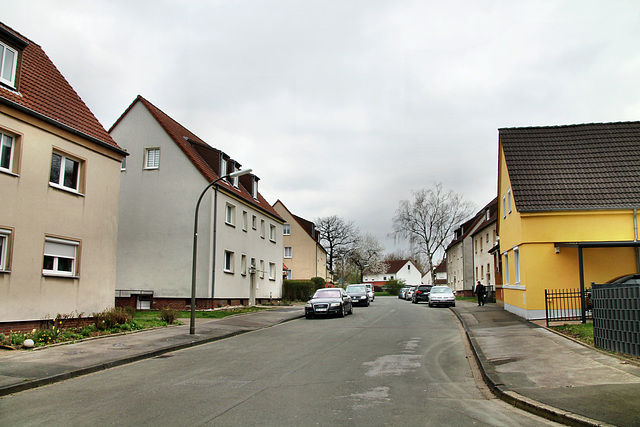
x=442, y=295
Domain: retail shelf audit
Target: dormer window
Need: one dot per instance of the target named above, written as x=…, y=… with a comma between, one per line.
x=223, y=167
x=8, y=64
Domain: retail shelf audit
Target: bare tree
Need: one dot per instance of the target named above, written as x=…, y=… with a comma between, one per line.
x=429, y=220
x=338, y=237
x=367, y=255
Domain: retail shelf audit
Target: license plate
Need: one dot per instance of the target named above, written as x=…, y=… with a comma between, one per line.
x=321, y=309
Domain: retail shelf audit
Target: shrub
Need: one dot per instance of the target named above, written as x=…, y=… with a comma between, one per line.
x=394, y=286
x=318, y=283
x=168, y=314
x=297, y=290
x=109, y=318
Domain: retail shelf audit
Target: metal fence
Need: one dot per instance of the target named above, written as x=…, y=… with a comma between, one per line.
x=566, y=305
x=616, y=318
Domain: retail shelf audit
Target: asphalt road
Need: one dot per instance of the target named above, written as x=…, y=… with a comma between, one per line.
x=393, y=363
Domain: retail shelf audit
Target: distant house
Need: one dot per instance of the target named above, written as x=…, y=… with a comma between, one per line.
x=239, y=233
x=304, y=256
x=568, y=208
x=484, y=239
x=59, y=182
x=403, y=269
x=460, y=269
x=441, y=275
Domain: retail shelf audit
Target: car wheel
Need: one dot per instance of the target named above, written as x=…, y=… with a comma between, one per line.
x=367, y=305
x=414, y=301
x=342, y=311
x=351, y=310
x=453, y=305
x=308, y=316
x=430, y=305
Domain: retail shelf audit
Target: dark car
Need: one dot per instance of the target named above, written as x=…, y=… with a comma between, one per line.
x=421, y=293
x=627, y=279
x=328, y=301
x=358, y=294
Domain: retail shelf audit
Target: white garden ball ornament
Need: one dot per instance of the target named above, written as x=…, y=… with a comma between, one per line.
x=28, y=343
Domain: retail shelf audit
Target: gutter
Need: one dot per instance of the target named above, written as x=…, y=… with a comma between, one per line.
x=62, y=125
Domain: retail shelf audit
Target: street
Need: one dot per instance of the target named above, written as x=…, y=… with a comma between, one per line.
x=393, y=363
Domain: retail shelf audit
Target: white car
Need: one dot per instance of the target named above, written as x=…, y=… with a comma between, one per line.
x=370, y=292
x=442, y=295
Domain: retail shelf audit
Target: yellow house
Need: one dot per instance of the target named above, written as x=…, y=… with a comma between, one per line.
x=59, y=184
x=568, y=209
x=304, y=256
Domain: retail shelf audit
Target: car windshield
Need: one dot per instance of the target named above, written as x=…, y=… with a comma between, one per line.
x=331, y=293
x=440, y=290
x=356, y=288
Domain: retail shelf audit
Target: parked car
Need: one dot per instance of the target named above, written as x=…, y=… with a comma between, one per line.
x=441, y=295
x=328, y=301
x=627, y=279
x=358, y=294
x=421, y=294
x=370, y=291
x=410, y=292
x=403, y=292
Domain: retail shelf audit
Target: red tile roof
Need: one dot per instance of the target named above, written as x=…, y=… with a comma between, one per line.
x=204, y=157
x=42, y=91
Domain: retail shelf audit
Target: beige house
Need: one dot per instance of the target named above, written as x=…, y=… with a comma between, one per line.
x=484, y=239
x=304, y=256
x=59, y=183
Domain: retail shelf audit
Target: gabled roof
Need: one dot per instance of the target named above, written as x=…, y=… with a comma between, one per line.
x=392, y=267
x=308, y=226
x=442, y=267
x=492, y=207
x=574, y=167
x=43, y=92
x=204, y=157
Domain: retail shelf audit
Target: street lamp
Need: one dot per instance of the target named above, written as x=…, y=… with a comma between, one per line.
x=192, y=324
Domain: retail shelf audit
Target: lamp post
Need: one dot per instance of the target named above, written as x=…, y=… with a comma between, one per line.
x=192, y=324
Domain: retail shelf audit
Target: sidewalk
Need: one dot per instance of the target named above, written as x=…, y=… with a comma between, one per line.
x=22, y=370
x=548, y=374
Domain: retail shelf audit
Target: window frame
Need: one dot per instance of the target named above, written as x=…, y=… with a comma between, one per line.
x=14, y=68
x=14, y=158
x=6, y=248
x=62, y=172
x=245, y=220
x=230, y=214
x=272, y=271
x=509, y=199
x=272, y=233
x=156, y=160
x=55, y=271
x=290, y=255
x=506, y=268
x=228, y=261
x=516, y=265
x=243, y=264
x=262, y=269
x=286, y=229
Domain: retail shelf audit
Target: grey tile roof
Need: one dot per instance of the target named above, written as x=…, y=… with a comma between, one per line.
x=574, y=167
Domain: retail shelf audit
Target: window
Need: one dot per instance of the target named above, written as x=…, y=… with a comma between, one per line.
x=8, y=64
x=286, y=230
x=509, y=199
x=243, y=265
x=5, y=249
x=60, y=257
x=516, y=264
x=123, y=165
x=488, y=274
x=480, y=243
x=487, y=214
x=230, y=214
x=245, y=220
x=504, y=206
x=253, y=222
x=487, y=237
x=228, y=262
x=506, y=268
x=262, y=228
x=262, y=269
x=151, y=158
x=288, y=251
x=475, y=245
x=272, y=271
x=65, y=172
x=272, y=232
x=223, y=167
x=288, y=273
x=8, y=153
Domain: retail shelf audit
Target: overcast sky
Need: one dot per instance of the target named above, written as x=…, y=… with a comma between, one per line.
x=344, y=107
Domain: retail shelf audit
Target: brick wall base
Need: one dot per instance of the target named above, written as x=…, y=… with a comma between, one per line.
x=29, y=325
x=184, y=304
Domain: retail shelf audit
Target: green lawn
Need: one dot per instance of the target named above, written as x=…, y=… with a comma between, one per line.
x=582, y=331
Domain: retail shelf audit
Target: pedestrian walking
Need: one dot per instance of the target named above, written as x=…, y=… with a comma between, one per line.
x=480, y=293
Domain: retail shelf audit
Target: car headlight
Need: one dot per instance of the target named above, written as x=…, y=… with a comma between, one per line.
x=309, y=304
x=335, y=304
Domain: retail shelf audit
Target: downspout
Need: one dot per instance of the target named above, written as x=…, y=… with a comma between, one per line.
x=635, y=238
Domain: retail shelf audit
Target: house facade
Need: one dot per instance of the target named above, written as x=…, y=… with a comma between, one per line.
x=403, y=269
x=484, y=239
x=240, y=251
x=460, y=266
x=440, y=273
x=59, y=183
x=568, y=200
x=304, y=256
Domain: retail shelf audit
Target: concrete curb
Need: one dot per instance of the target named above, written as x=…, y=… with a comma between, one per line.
x=26, y=385
x=492, y=380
